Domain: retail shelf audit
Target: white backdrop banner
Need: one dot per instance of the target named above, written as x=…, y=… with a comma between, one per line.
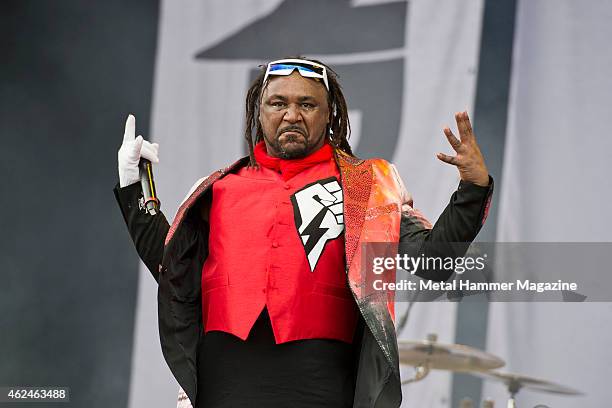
x=555, y=189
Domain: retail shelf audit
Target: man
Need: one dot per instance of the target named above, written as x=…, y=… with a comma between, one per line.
x=262, y=296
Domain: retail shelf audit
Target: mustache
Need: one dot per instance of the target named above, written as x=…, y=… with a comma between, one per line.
x=292, y=128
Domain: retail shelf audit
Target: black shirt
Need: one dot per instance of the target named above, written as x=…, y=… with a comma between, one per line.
x=260, y=373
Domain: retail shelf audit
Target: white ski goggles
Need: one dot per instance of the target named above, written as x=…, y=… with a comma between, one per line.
x=307, y=69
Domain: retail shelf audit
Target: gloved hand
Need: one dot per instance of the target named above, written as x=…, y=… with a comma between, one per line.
x=131, y=151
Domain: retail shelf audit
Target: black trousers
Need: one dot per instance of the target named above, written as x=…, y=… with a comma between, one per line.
x=233, y=373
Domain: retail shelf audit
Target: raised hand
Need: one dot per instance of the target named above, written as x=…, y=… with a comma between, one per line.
x=469, y=160
x=130, y=152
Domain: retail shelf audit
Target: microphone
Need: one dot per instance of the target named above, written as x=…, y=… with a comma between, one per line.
x=151, y=202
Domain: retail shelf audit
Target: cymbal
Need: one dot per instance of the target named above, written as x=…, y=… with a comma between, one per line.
x=453, y=357
x=515, y=382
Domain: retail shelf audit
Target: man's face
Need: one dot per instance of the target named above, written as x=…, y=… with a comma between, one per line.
x=294, y=115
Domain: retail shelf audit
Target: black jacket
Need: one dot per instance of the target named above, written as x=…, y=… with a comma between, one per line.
x=377, y=378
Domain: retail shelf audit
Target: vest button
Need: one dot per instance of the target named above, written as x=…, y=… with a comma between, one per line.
x=287, y=187
x=275, y=244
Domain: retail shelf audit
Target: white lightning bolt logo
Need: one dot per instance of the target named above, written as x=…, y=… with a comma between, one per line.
x=318, y=216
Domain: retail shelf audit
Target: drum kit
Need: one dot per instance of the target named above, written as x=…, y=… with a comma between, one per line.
x=429, y=355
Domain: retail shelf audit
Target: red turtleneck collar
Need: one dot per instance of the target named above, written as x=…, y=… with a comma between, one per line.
x=290, y=167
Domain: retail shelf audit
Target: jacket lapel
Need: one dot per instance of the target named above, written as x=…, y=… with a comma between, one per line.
x=356, y=180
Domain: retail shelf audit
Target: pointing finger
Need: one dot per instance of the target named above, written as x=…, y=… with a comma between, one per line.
x=130, y=128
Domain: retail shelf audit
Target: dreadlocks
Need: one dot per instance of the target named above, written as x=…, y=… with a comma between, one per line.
x=339, y=127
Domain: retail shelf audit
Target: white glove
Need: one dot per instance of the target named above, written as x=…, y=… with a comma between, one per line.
x=131, y=151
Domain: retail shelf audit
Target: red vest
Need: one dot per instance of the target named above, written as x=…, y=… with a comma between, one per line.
x=261, y=230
